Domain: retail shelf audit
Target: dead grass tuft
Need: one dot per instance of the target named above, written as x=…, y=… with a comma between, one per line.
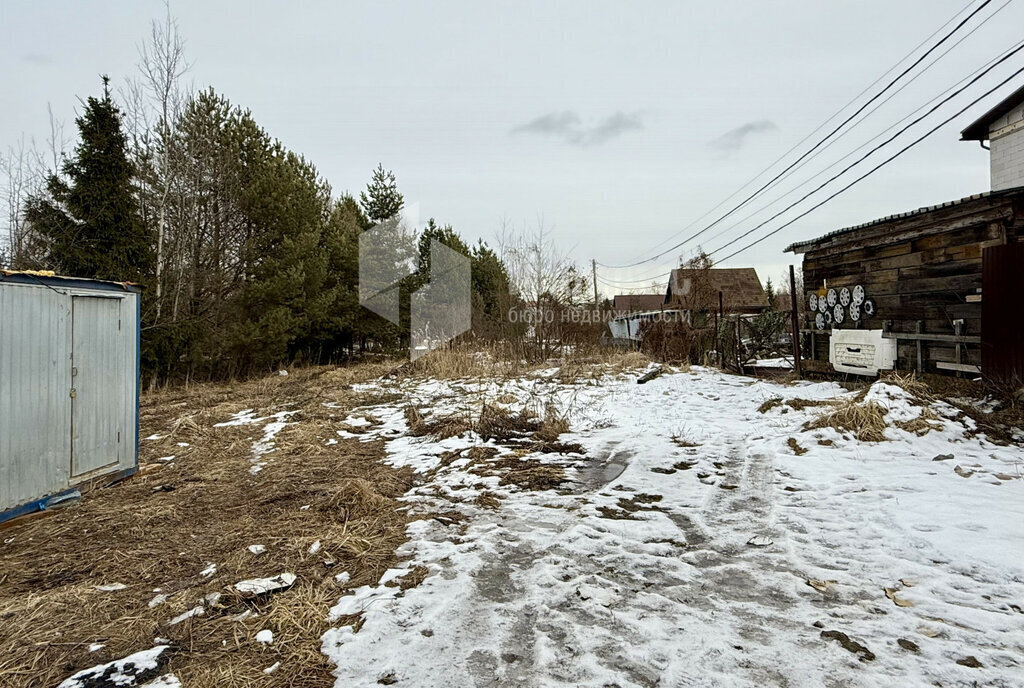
x=495, y=423
x=487, y=500
x=801, y=404
x=795, y=446
x=909, y=383
x=439, y=428
x=866, y=421
x=768, y=404
x=922, y=425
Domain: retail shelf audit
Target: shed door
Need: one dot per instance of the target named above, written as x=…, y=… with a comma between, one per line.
x=97, y=404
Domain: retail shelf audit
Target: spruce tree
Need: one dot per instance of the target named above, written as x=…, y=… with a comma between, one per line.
x=88, y=218
x=381, y=200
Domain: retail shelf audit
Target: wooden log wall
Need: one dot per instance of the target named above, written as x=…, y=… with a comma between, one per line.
x=919, y=270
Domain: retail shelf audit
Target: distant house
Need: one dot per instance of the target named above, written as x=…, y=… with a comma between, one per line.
x=937, y=288
x=696, y=289
x=633, y=303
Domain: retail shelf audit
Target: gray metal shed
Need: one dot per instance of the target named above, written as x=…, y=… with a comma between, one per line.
x=69, y=386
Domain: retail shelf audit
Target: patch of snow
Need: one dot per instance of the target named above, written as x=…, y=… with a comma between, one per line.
x=165, y=681
x=96, y=647
x=266, y=636
x=272, y=668
x=210, y=569
x=315, y=547
x=110, y=587
x=153, y=438
x=257, y=549
x=120, y=672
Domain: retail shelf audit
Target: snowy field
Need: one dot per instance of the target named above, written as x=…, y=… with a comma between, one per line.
x=697, y=542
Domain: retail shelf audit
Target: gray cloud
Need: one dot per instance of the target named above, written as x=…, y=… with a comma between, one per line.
x=734, y=140
x=37, y=58
x=569, y=126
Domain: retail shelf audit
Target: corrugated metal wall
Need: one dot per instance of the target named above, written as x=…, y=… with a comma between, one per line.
x=36, y=406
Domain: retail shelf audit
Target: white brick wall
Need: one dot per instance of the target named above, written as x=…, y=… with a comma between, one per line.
x=1007, y=156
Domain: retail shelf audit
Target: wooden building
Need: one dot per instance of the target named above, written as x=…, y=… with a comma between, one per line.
x=943, y=282
x=922, y=272
x=698, y=289
x=637, y=303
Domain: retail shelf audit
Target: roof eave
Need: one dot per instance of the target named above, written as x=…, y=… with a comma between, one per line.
x=978, y=130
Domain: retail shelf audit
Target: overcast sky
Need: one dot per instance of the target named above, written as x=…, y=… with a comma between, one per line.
x=617, y=123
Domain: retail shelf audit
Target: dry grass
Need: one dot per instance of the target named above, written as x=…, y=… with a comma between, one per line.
x=509, y=360
x=801, y=404
x=864, y=420
x=922, y=425
x=210, y=509
x=910, y=384
x=768, y=404
x=795, y=446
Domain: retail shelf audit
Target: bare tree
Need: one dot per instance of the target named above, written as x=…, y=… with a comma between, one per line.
x=159, y=90
x=23, y=173
x=542, y=276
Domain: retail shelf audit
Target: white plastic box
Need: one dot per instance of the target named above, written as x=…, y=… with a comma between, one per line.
x=862, y=352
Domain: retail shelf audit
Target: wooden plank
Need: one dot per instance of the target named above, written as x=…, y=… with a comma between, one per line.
x=962, y=367
x=929, y=337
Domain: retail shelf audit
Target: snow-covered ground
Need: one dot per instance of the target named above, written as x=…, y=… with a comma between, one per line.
x=698, y=542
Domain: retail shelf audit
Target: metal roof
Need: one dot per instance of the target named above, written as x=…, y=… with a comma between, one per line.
x=978, y=131
x=49, y=279
x=799, y=246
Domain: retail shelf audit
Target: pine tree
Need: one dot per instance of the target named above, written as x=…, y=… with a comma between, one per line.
x=88, y=220
x=381, y=200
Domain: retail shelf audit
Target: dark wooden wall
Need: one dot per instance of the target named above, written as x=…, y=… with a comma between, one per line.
x=919, y=270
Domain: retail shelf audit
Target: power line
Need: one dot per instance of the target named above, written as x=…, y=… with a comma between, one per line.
x=825, y=123
x=872, y=170
x=817, y=145
x=875, y=109
x=627, y=283
x=889, y=140
x=990, y=63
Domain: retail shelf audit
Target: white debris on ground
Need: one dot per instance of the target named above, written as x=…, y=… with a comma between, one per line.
x=110, y=587
x=184, y=616
x=134, y=670
x=261, y=586
x=694, y=545
x=264, y=445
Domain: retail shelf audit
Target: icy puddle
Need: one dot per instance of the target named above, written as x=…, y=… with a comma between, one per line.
x=695, y=541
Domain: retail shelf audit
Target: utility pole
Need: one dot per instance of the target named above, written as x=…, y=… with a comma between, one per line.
x=593, y=266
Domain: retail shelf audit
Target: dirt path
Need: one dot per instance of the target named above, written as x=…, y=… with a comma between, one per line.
x=679, y=554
